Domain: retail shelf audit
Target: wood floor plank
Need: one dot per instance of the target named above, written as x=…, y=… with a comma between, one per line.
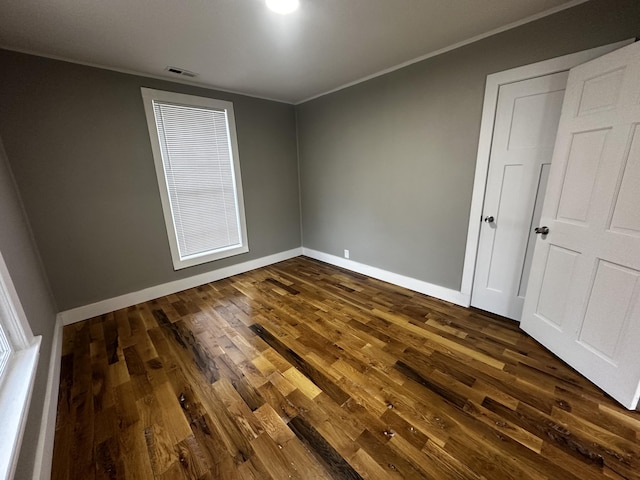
x=323, y=450
x=303, y=370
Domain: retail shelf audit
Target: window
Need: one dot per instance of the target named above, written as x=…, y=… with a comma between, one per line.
x=18, y=361
x=196, y=158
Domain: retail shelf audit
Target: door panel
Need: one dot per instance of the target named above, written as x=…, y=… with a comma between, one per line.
x=600, y=92
x=583, y=297
x=527, y=116
x=626, y=213
x=535, y=220
x=613, y=296
x=582, y=166
x=509, y=211
x=558, y=273
x=535, y=119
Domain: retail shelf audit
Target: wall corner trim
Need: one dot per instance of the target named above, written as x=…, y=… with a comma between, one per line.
x=44, y=451
x=414, y=284
x=128, y=299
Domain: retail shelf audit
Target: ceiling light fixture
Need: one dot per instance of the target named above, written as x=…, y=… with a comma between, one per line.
x=283, y=6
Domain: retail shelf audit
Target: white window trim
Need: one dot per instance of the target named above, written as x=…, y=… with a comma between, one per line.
x=16, y=383
x=148, y=96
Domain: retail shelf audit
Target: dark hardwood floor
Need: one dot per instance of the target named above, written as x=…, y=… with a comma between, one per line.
x=302, y=370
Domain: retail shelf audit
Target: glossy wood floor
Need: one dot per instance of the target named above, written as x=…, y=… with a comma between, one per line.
x=301, y=370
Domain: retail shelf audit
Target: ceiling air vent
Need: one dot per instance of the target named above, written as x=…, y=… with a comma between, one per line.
x=181, y=71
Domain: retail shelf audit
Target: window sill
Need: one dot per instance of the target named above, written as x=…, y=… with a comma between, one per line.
x=193, y=260
x=15, y=397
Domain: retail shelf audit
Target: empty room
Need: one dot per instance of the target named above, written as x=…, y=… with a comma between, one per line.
x=319, y=239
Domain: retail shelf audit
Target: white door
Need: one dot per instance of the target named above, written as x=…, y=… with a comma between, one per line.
x=527, y=115
x=583, y=299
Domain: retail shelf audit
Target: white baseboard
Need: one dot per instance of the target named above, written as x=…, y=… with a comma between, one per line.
x=44, y=450
x=123, y=301
x=111, y=304
x=416, y=285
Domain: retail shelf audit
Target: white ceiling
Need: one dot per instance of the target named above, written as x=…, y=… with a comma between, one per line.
x=240, y=45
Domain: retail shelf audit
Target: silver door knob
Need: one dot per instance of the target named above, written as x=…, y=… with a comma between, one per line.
x=488, y=219
x=542, y=230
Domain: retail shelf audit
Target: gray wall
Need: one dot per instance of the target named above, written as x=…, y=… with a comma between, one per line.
x=387, y=166
x=79, y=147
x=23, y=263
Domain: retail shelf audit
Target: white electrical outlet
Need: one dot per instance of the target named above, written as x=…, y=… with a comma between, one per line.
x=346, y=253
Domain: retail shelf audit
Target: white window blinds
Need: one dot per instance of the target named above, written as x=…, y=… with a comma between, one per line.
x=197, y=160
x=5, y=349
x=195, y=152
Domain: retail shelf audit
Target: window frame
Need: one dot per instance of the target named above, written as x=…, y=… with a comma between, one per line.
x=18, y=375
x=149, y=96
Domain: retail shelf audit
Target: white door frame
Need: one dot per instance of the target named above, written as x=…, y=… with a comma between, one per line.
x=494, y=82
